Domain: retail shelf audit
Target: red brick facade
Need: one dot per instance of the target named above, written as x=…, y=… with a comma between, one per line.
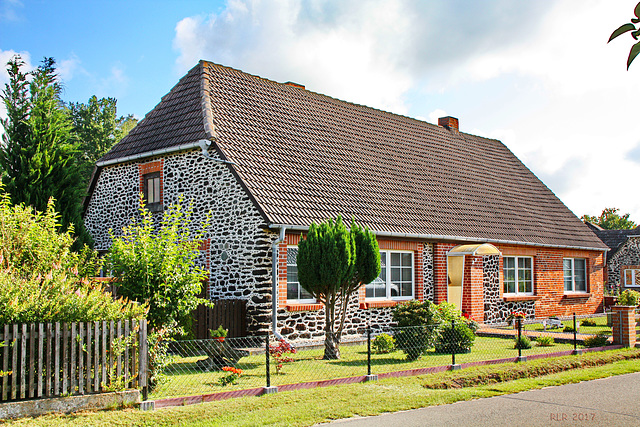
x=548, y=278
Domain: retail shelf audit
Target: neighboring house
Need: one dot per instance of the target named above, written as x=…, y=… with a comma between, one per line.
x=623, y=258
x=458, y=217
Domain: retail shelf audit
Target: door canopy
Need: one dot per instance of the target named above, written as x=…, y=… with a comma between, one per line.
x=477, y=249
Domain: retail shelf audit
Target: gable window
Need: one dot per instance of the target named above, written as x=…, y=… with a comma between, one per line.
x=631, y=277
x=575, y=275
x=396, y=277
x=518, y=275
x=295, y=292
x=152, y=191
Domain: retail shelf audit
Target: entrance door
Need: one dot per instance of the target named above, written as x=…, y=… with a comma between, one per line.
x=455, y=273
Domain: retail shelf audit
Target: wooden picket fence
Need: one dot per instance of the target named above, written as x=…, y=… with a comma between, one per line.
x=62, y=359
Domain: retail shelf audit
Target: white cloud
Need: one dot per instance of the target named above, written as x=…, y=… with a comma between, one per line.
x=537, y=75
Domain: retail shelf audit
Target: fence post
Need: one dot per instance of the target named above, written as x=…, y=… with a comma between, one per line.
x=368, y=349
x=144, y=360
x=575, y=333
x=519, y=343
x=266, y=353
x=453, y=346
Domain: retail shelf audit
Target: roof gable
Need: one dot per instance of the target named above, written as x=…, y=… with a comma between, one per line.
x=305, y=157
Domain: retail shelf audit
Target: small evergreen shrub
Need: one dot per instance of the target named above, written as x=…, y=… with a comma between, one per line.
x=568, y=329
x=598, y=340
x=415, y=334
x=457, y=337
x=384, y=343
x=544, y=341
x=522, y=343
x=588, y=322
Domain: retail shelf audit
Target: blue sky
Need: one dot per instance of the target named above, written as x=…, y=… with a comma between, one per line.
x=537, y=75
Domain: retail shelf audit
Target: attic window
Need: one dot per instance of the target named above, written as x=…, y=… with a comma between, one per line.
x=152, y=191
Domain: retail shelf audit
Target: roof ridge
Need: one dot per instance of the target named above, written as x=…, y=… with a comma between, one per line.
x=207, y=110
x=207, y=63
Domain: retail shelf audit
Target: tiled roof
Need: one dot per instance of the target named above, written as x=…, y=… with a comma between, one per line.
x=306, y=157
x=614, y=238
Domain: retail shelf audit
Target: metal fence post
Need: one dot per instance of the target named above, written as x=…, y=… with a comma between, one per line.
x=519, y=320
x=144, y=359
x=453, y=346
x=266, y=352
x=575, y=333
x=368, y=349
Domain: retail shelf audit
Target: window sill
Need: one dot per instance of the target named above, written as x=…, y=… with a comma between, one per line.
x=515, y=298
x=304, y=307
x=378, y=304
x=577, y=295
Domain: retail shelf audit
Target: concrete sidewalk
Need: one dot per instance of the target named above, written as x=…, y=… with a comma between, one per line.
x=605, y=402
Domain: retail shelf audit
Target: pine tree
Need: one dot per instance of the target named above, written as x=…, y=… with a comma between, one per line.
x=38, y=158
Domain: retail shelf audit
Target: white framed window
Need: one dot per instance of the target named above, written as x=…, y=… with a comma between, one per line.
x=295, y=292
x=152, y=191
x=631, y=277
x=517, y=275
x=575, y=274
x=396, y=279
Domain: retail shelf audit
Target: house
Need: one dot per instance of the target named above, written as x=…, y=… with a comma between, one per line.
x=623, y=258
x=458, y=217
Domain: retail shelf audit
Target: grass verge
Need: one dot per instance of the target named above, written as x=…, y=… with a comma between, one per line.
x=308, y=407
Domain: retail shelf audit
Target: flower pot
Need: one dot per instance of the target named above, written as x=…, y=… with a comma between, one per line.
x=219, y=339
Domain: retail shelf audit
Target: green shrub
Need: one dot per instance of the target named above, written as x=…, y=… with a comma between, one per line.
x=416, y=334
x=588, y=322
x=454, y=337
x=568, y=329
x=522, y=342
x=629, y=298
x=544, y=341
x=42, y=279
x=383, y=343
x=598, y=340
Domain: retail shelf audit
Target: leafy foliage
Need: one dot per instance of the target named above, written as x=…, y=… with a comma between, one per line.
x=97, y=129
x=383, y=343
x=609, y=219
x=42, y=279
x=523, y=342
x=635, y=33
x=332, y=265
x=544, y=341
x=281, y=354
x=158, y=267
x=454, y=337
x=600, y=339
x=38, y=157
x=629, y=298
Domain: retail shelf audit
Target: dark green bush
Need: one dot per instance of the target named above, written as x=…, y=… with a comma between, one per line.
x=568, y=329
x=544, y=341
x=456, y=337
x=416, y=334
x=588, y=322
x=598, y=340
x=522, y=342
x=384, y=343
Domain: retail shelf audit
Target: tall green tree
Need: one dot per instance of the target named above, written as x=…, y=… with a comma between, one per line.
x=332, y=265
x=38, y=156
x=610, y=219
x=635, y=33
x=97, y=129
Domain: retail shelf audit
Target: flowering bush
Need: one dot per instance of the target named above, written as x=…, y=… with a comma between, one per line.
x=515, y=315
x=232, y=377
x=280, y=353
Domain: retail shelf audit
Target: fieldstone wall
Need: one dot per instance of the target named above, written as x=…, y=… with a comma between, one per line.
x=627, y=254
x=427, y=272
x=496, y=310
x=239, y=252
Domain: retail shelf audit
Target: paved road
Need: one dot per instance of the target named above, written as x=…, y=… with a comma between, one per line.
x=610, y=401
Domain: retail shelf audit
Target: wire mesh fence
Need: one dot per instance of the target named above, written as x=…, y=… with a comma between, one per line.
x=210, y=366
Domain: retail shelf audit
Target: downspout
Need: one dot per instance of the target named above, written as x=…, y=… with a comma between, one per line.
x=274, y=280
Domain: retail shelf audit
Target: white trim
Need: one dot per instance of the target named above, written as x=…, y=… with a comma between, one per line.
x=295, y=300
x=517, y=292
x=388, y=296
x=635, y=283
x=453, y=238
x=573, y=277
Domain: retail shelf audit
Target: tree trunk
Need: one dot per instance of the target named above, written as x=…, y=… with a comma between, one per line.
x=331, y=341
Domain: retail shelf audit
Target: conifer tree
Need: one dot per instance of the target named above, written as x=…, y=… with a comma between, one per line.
x=38, y=156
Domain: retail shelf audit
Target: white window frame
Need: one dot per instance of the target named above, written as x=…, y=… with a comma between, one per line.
x=388, y=278
x=517, y=264
x=573, y=277
x=635, y=277
x=295, y=300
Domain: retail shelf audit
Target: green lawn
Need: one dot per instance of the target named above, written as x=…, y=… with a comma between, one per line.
x=184, y=379
x=313, y=406
x=601, y=325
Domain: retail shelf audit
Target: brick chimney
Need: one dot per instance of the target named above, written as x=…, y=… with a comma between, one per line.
x=449, y=122
x=293, y=84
